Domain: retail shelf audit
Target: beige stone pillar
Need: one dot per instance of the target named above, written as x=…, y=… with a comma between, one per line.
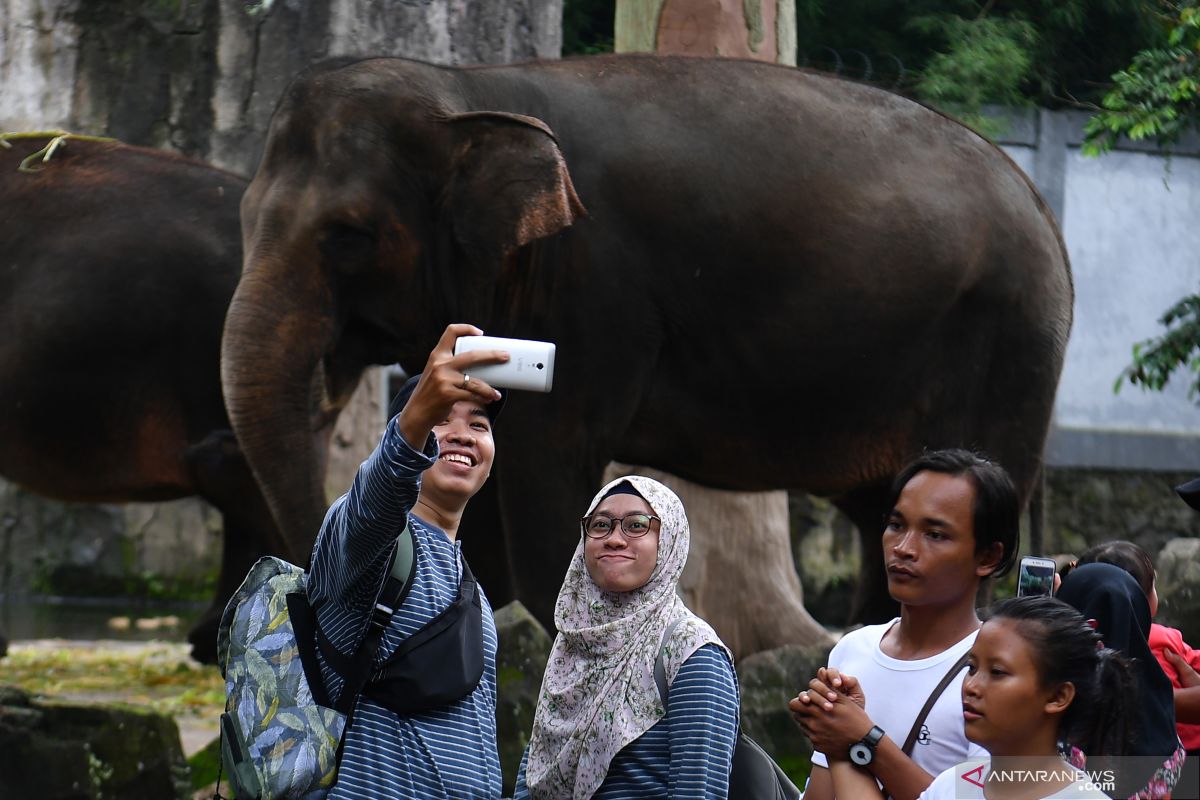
x=764, y=30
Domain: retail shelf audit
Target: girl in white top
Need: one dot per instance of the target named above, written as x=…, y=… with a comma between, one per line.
x=1037, y=682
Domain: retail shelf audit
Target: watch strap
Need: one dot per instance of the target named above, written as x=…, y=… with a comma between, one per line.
x=874, y=737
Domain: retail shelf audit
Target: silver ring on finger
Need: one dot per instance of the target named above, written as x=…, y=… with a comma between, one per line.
x=466, y=380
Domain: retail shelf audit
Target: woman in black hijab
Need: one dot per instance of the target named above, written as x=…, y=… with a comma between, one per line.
x=1110, y=596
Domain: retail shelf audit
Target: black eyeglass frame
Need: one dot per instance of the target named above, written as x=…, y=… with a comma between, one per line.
x=583, y=525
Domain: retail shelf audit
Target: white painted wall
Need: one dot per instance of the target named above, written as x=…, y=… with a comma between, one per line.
x=1133, y=232
x=1131, y=222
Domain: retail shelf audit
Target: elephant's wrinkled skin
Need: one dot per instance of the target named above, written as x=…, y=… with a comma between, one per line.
x=116, y=267
x=782, y=279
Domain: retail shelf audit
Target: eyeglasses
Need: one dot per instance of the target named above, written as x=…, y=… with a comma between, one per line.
x=634, y=526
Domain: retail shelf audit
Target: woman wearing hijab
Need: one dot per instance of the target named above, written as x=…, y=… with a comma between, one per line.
x=600, y=729
x=1112, y=598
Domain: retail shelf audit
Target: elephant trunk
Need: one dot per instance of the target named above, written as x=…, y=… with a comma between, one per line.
x=271, y=352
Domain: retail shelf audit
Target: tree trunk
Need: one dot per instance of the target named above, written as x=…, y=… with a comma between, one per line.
x=764, y=30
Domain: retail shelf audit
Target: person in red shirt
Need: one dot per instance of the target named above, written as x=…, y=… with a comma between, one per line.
x=1178, y=660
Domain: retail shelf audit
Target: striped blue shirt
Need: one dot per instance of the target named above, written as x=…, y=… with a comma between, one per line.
x=447, y=753
x=688, y=753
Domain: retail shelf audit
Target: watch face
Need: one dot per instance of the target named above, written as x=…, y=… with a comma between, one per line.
x=861, y=754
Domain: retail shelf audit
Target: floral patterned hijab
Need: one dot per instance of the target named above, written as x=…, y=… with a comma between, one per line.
x=599, y=694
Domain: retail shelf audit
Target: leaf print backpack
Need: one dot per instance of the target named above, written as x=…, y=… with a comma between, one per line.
x=280, y=735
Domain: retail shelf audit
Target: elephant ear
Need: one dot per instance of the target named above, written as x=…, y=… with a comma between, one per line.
x=510, y=183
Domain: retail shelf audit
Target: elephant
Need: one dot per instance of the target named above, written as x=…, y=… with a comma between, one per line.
x=117, y=264
x=757, y=277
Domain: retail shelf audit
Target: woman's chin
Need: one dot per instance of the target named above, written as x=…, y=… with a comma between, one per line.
x=616, y=585
x=616, y=581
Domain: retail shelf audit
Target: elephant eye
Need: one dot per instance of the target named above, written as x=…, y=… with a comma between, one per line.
x=347, y=248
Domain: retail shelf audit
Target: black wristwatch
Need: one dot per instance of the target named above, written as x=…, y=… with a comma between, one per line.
x=862, y=752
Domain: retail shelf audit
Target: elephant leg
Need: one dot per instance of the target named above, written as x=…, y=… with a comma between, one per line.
x=866, y=508
x=541, y=500
x=1037, y=514
x=483, y=541
x=224, y=479
x=749, y=592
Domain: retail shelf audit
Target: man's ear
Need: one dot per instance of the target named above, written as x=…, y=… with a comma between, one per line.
x=1061, y=698
x=989, y=559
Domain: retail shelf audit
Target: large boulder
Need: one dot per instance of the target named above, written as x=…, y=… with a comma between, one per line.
x=62, y=751
x=769, y=680
x=1178, y=568
x=520, y=663
x=827, y=552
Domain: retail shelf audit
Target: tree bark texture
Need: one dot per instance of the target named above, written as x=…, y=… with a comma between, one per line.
x=764, y=30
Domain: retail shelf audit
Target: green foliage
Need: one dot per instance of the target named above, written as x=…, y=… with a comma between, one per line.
x=959, y=55
x=1158, y=95
x=987, y=61
x=797, y=768
x=206, y=764
x=962, y=54
x=588, y=26
x=1155, y=360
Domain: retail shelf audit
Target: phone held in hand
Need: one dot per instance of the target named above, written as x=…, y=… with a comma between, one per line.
x=1035, y=576
x=530, y=365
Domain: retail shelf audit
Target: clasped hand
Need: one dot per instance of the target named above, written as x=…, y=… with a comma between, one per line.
x=832, y=712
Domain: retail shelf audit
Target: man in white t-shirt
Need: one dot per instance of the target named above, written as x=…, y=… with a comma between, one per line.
x=953, y=523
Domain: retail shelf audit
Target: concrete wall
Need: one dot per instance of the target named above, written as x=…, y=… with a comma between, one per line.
x=203, y=76
x=1129, y=221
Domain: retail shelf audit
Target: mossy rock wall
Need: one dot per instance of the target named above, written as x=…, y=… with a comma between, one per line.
x=59, y=751
x=164, y=551
x=1088, y=506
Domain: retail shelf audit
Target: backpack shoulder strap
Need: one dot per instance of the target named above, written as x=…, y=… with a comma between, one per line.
x=356, y=670
x=402, y=563
x=933, y=697
x=660, y=669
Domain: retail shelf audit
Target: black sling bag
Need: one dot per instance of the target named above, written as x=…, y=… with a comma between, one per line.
x=439, y=664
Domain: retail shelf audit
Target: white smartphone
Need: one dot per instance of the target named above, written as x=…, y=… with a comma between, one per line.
x=1035, y=576
x=530, y=365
